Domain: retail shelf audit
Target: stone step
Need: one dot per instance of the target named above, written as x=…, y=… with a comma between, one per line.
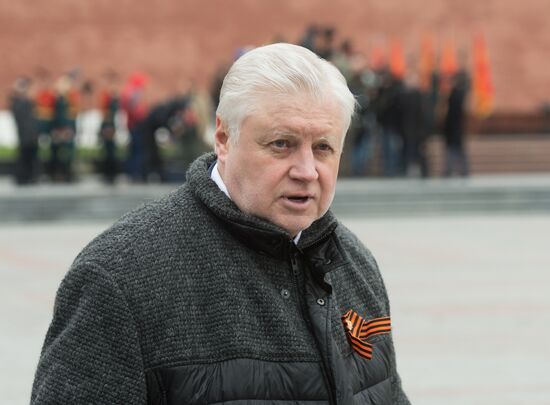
x=498, y=154
x=92, y=201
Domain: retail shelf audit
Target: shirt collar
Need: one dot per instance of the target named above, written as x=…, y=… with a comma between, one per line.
x=215, y=176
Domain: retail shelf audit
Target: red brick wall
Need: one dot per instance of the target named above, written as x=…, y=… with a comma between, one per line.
x=175, y=41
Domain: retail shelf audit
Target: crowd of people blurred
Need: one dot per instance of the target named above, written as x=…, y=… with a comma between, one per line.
x=47, y=110
x=402, y=102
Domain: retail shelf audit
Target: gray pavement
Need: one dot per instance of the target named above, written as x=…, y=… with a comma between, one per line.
x=470, y=302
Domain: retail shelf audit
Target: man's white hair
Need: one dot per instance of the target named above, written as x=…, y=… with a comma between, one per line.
x=279, y=69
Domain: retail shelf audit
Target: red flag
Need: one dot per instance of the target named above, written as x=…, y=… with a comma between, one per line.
x=482, y=83
x=397, y=60
x=377, y=57
x=449, y=64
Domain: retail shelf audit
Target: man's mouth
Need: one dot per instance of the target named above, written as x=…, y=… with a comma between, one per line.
x=300, y=199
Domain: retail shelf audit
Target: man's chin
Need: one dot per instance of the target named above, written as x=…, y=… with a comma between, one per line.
x=295, y=225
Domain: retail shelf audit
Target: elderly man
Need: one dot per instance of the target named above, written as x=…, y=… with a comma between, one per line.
x=240, y=287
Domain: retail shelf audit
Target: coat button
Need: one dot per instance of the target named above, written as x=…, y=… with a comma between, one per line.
x=285, y=293
x=321, y=301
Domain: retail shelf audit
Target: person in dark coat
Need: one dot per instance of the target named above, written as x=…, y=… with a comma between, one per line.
x=363, y=127
x=109, y=105
x=22, y=108
x=240, y=286
x=414, y=131
x=132, y=101
x=63, y=134
x=454, y=126
x=389, y=108
x=160, y=116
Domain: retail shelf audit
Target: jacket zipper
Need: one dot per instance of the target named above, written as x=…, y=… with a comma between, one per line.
x=305, y=316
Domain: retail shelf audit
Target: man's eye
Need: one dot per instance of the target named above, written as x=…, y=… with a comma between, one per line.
x=325, y=147
x=280, y=144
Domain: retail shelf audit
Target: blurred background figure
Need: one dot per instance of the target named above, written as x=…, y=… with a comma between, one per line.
x=159, y=116
x=389, y=113
x=414, y=128
x=135, y=106
x=363, y=84
x=324, y=43
x=343, y=59
x=428, y=85
x=454, y=126
x=309, y=37
x=63, y=133
x=87, y=90
x=216, y=86
x=22, y=108
x=44, y=100
x=109, y=105
x=188, y=128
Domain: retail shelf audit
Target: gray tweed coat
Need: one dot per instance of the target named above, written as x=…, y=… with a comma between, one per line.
x=187, y=300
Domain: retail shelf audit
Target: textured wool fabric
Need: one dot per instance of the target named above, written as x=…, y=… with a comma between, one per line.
x=190, y=282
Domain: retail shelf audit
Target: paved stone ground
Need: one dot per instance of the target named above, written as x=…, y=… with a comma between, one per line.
x=470, y=301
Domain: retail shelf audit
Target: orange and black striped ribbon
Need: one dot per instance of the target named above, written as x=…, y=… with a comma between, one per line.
x=359, y=330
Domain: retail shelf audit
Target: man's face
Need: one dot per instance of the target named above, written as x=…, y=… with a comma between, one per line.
x=284, y=165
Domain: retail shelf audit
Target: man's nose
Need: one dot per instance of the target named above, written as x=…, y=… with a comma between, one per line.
x=304, y=166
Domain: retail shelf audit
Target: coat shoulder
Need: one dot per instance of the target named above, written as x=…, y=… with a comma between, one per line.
x=353, y=246
x=149, y=230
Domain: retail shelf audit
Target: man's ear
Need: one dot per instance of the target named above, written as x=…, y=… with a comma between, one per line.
x=221, y=139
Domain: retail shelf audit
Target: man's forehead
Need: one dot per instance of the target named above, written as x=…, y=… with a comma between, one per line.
x=301, y=100
x=286, y=114
x=316, y=130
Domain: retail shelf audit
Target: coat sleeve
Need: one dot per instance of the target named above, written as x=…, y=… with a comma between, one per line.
x=398, y=395
x=91, y=354
x=378, y=288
